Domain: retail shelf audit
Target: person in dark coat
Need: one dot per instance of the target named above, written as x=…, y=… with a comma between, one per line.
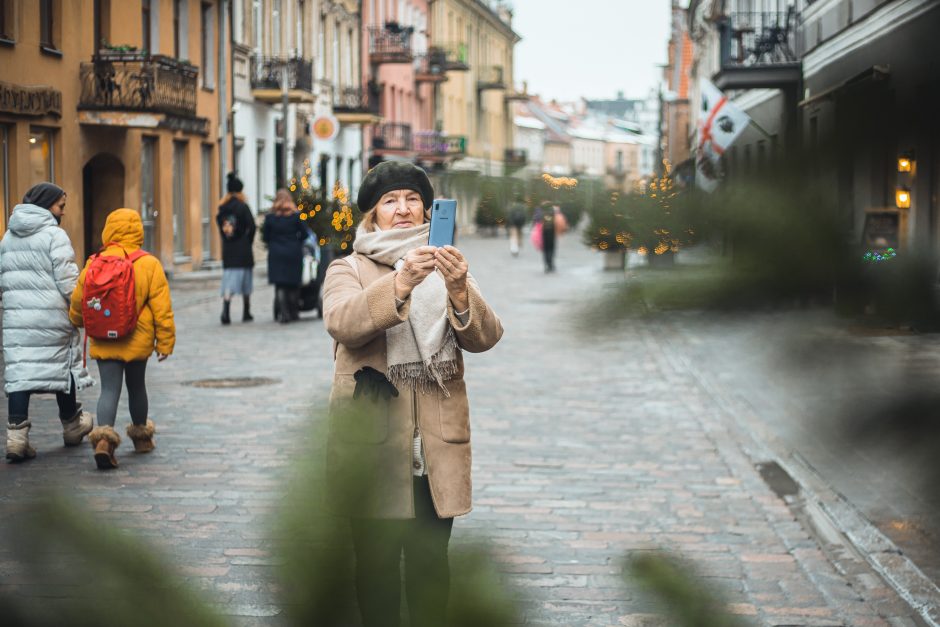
x=284, y=233
x=237, y=227
x=546, y=216
x=517, y=220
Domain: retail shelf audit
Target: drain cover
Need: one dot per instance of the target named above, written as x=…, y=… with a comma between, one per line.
x=232, y=382
x=778, y=479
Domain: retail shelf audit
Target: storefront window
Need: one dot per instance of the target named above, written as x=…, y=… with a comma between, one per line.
x=179, y=199
x=41, y=159
x=206, y=201
x=147, y=200
x=5, y=207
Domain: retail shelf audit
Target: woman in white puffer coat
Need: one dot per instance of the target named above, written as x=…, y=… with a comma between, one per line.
x=42, y=351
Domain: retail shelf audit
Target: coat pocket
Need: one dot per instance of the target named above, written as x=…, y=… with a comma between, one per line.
x=455, y=413
x=356, y=421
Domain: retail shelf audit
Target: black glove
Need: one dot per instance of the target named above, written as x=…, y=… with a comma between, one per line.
x=371, y=381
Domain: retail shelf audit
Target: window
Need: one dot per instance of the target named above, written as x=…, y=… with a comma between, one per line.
x=256, y=25
x=301, y=28
x=147, y=177
x=101, y=26
x=321, y=50
x=6, y=20
x=146, y=24
x=238, y=21
x=176, y=29
x=4, y=170
x=47, y=24
x=41, y=156
x=179, y=199
x=206, y=201
x=335, y=53
x=259, y=175
x=208, y=43
x=276, y=28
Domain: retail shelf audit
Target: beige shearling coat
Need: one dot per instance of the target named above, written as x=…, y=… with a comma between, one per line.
x=369, y=450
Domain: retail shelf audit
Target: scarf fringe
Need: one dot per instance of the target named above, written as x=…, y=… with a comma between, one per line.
x=423, y=377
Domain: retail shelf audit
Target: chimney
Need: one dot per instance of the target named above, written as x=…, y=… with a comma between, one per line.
x=504, y=11
x=619, y=95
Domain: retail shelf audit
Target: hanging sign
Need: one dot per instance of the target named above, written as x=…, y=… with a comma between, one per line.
x=325, y=127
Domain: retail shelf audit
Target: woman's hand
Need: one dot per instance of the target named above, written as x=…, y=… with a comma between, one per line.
x=453, y=268
x=419, y=263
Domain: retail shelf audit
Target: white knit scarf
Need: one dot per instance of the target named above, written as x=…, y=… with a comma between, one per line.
x=422, y=351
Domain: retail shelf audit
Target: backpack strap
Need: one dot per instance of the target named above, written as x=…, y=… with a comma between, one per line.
x=137, y=254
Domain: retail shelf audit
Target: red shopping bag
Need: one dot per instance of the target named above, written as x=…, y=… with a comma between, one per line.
x=536, y=236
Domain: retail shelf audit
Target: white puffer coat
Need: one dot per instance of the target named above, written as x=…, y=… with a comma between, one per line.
x=41, y=348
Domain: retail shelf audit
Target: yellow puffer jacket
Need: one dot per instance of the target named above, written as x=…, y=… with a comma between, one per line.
x=155, y=328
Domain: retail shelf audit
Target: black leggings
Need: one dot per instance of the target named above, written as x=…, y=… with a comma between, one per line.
x=378, y=544
x=112, y=372
x=18, y=404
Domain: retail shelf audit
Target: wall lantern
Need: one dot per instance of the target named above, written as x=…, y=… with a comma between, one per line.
x=902, y=197
x=905, y=164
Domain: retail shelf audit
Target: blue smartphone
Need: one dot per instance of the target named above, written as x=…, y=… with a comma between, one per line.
x=443, y=217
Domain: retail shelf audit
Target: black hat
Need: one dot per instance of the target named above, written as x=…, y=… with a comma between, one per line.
x=389, y=176
x=234, y=184
x=43, y=195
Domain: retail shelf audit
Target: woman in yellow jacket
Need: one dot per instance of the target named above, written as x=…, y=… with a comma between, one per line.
x=126, y=358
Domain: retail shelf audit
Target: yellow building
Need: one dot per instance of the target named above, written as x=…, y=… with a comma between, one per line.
x=475, y=101
x=118, y=102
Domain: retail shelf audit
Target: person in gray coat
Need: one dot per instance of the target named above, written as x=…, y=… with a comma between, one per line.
x=42, y=351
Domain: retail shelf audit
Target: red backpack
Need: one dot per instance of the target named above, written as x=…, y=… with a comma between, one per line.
x=110, y=302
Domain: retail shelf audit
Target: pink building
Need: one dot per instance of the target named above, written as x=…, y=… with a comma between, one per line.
x=397, y=69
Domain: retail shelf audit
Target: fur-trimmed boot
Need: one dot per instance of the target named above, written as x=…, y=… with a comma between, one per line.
x=77, y=427
x=18, y=447
x=105, y=440
x=142, y=436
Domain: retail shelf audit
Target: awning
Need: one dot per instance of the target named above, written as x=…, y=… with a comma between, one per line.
x=874, y=73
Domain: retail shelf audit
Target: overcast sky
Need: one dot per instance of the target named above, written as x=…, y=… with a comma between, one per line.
x=590, y=48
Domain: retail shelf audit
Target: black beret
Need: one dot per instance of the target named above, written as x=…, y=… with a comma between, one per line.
x=389, y=176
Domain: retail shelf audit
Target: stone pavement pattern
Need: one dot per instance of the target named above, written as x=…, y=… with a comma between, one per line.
x=586, y=448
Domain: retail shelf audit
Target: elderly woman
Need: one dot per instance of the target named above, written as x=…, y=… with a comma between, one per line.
x=284, y=233
x=398, y=456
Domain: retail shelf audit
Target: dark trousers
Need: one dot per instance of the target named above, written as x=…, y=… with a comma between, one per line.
x=18, y=405
x=378, y=545
x=286, y=302
x=548, y=253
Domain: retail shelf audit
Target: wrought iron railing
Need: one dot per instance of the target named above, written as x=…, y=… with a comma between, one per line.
x=456, y=56
x=491, y=77
x=392, y=136
x=355, y=100
x=760, y=38
x=434, y=143
x=138, y=82
x=515, y=156
x=431, y=63
x=266, y=73
x=385, y=42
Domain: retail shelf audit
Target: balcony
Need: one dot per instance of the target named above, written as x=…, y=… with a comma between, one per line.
x=437, y=147
x=390, y=44
x=430, y=67
x=139, y=90
x=491, y=77
x=356, y=105
x=515, y=157
x=759, y=50
x=455, y=57
x=267, y=74
x=392, y=137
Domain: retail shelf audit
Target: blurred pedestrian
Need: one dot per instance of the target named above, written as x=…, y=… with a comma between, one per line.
x=42, y=351
x=124, y=359
x=237, y=227
x=400, y=312
x=517, y=220
x=284, y=233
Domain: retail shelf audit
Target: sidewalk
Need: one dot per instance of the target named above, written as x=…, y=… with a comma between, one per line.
x=586, y=448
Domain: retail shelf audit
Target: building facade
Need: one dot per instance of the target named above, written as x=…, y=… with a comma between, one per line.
x=138, y=128
x=676, y=121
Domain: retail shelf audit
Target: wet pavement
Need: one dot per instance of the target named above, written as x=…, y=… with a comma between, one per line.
x=588, y=447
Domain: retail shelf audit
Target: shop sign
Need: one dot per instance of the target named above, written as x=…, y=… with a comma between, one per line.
x=325, y=127
x=31, y=100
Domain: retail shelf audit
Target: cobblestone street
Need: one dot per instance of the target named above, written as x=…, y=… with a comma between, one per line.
x=587, y=447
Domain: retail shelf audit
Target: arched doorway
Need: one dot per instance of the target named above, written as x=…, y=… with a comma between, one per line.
x=103, y=181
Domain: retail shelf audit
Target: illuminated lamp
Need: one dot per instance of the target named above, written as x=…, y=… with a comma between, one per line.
x=902, y=198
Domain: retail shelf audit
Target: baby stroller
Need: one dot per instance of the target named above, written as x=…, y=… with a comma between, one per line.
x=309, y=293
